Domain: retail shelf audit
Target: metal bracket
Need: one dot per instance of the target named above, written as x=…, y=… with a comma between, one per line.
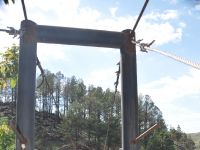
x=11, y=31
x=143, y=45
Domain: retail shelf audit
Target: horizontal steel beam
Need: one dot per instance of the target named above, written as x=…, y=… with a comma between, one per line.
x=76, y=36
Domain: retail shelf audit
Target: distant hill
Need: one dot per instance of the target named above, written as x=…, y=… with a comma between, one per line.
x=196, y=138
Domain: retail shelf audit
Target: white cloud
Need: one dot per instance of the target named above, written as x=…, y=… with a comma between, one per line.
x=157, y=26
x=167, y=91
x=102, y=77
x=162, y=16
x=161, y=32
x=113, y=11
x=189, y=12
x=197, y=7
x=169, y=14
x=108, y=50
x=188, y=119
x=172, y=1
x=11, y=15
x=182, y=24
x=53, y=52
x=6, y=40
x=180, y=87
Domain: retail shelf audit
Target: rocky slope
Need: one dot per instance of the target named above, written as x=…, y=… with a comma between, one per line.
x=46, y=126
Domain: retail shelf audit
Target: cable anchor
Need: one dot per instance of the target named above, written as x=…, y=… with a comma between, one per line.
x=144, y=45
x=11, y=31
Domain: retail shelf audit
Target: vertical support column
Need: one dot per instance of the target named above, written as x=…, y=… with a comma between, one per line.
x=26, y=83
x=129, y=93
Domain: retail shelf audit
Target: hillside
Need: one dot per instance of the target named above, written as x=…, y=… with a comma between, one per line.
x=196, y=138
x=45, y=126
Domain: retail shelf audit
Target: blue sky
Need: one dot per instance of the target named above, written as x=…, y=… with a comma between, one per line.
x=174, y=87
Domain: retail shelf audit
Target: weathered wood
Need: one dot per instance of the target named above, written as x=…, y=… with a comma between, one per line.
x=76, y=36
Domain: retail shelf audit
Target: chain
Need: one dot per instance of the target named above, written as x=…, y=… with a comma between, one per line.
x=117, y=80
x=44, y=79
x=41, y=73
x=116, y=85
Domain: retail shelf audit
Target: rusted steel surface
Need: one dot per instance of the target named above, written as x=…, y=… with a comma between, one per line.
x=33, y=33
x=19, y=135
x=129, y=93
x=141, y=136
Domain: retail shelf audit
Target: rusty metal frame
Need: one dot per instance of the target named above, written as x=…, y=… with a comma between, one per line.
x=33, y=34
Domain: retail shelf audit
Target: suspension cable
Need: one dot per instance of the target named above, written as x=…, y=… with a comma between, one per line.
x=145, y=47
x=24, y=9
x=11, y=31
x=139, y=17
x=177, y=58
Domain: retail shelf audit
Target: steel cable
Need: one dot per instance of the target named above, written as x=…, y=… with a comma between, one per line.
x=144, y=46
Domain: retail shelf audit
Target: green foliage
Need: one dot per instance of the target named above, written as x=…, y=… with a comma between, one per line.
x=6, y=135
x=160, y=140
x=149, y=115
x=88, y=115
x=9, y=67
x=196, y=138
x=181, y=140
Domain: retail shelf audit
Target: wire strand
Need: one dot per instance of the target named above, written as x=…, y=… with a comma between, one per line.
x=177, y=58
x=145, y=46
x=139, y=17
x=4, y=30
x=24, y=9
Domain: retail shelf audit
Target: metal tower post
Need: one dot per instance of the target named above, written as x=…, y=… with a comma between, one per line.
x=26, y=84
x=129, y=93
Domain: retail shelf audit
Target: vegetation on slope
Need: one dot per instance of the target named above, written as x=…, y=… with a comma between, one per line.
x=196, y=138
